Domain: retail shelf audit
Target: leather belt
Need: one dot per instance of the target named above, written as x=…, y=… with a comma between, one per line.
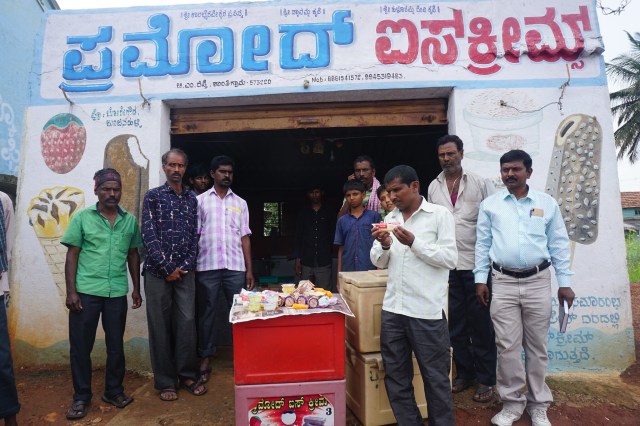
x=522, y=273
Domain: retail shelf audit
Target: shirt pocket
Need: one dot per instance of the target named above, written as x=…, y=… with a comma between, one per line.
x=233, y=219
x=122, y=241
x=537, y=226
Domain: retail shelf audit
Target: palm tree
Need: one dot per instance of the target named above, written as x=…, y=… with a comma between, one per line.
x=625, y=103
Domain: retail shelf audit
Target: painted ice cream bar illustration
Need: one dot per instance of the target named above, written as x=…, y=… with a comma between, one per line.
x=63, y=140
x=574, y=175
x=49, y=215
x=123, y=153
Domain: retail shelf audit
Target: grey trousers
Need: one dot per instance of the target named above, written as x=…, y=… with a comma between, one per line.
x=521, y=314
x=400, y=336
x=171, y=308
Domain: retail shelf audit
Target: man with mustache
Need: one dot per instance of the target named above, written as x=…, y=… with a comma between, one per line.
x=364, y=170
x=520, y=233
x=102, y=241
x=169, y=233
x=419, y=254
x=470, y=328
x=224, y=254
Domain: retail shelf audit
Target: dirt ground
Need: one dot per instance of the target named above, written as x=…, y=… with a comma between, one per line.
x=587, y=400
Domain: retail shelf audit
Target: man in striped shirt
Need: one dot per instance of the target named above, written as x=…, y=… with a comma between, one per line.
x=224, y=253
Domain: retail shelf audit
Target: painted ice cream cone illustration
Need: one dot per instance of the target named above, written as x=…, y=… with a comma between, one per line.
x=574, y=176
x=49, y=215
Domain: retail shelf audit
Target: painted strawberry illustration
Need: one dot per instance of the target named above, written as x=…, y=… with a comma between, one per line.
x=62, y=141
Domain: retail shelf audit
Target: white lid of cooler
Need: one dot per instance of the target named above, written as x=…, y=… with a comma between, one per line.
x=375, y=278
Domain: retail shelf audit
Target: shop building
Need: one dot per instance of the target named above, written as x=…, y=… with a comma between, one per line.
x=294, y=91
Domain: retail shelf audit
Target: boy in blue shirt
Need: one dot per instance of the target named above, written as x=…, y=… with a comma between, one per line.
x=353, y=230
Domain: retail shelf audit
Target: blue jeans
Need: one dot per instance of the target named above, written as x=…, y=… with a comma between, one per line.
x=82, y=335
x=208, y=287
x=9, y=404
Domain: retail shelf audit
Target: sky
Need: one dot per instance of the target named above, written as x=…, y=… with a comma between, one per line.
x=612, y=28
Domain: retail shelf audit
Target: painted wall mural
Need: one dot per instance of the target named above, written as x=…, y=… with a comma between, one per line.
x=63, y=140
x=124, y=154
x=500, y=120
x=574, y=176
x=9, y=152
x=49, y=215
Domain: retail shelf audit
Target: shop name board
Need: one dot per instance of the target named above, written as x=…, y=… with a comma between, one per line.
x=428, y=36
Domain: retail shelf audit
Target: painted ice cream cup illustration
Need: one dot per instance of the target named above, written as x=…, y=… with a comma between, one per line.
x=62, y=141
x=574, y=176
x=502, y=120
x=49, y=215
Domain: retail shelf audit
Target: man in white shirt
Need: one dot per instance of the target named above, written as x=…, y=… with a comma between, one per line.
x=419, y=254
x=470, y=327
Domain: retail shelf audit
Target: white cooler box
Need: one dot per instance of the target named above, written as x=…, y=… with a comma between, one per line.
x=366, y=394
x=364, y=292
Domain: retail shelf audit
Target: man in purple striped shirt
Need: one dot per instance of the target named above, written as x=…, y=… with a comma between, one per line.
x=224, y=254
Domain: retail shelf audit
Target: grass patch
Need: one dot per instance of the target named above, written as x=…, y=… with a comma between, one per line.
x=633, y=257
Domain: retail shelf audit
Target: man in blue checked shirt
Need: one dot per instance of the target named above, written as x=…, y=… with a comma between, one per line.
x=169, y=234
x=520, y=233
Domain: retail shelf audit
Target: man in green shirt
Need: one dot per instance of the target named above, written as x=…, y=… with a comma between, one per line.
x=102, y=240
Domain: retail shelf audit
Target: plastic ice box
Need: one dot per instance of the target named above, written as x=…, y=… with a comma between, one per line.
x=364, y=292
x=289, y=349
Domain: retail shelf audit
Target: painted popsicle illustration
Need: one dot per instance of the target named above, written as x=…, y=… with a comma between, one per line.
x=574, y=176
x=49, y=215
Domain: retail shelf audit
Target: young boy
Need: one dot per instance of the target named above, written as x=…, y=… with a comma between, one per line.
x=353, y=230
x=199, y=179
x=385, y=201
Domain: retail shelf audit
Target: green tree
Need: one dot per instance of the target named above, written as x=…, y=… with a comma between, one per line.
x=625, y=103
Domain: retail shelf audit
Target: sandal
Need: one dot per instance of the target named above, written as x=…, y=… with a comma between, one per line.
x=460, y=385
x=195, y=388
x=168, y=394
x=483, y=394
x=121, y=400
x=204, y=375
x=78, y=410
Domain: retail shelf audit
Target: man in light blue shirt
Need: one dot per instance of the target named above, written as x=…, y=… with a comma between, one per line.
x=520, y=233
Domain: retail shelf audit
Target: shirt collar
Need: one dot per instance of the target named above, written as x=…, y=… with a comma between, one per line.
x=530, y=194
x=212, y=191
x=441, y=177
x=424, y=206
x=121, y=211
x=167, y=188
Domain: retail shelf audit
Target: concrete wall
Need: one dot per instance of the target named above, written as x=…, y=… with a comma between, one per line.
x=519, y=74
x=20, y=23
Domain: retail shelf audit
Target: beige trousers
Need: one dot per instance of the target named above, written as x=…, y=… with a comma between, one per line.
x=521, y=313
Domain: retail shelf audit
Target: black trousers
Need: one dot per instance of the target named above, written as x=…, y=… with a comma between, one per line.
x=400, y=336
x=471, y=331
x=82, y=336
